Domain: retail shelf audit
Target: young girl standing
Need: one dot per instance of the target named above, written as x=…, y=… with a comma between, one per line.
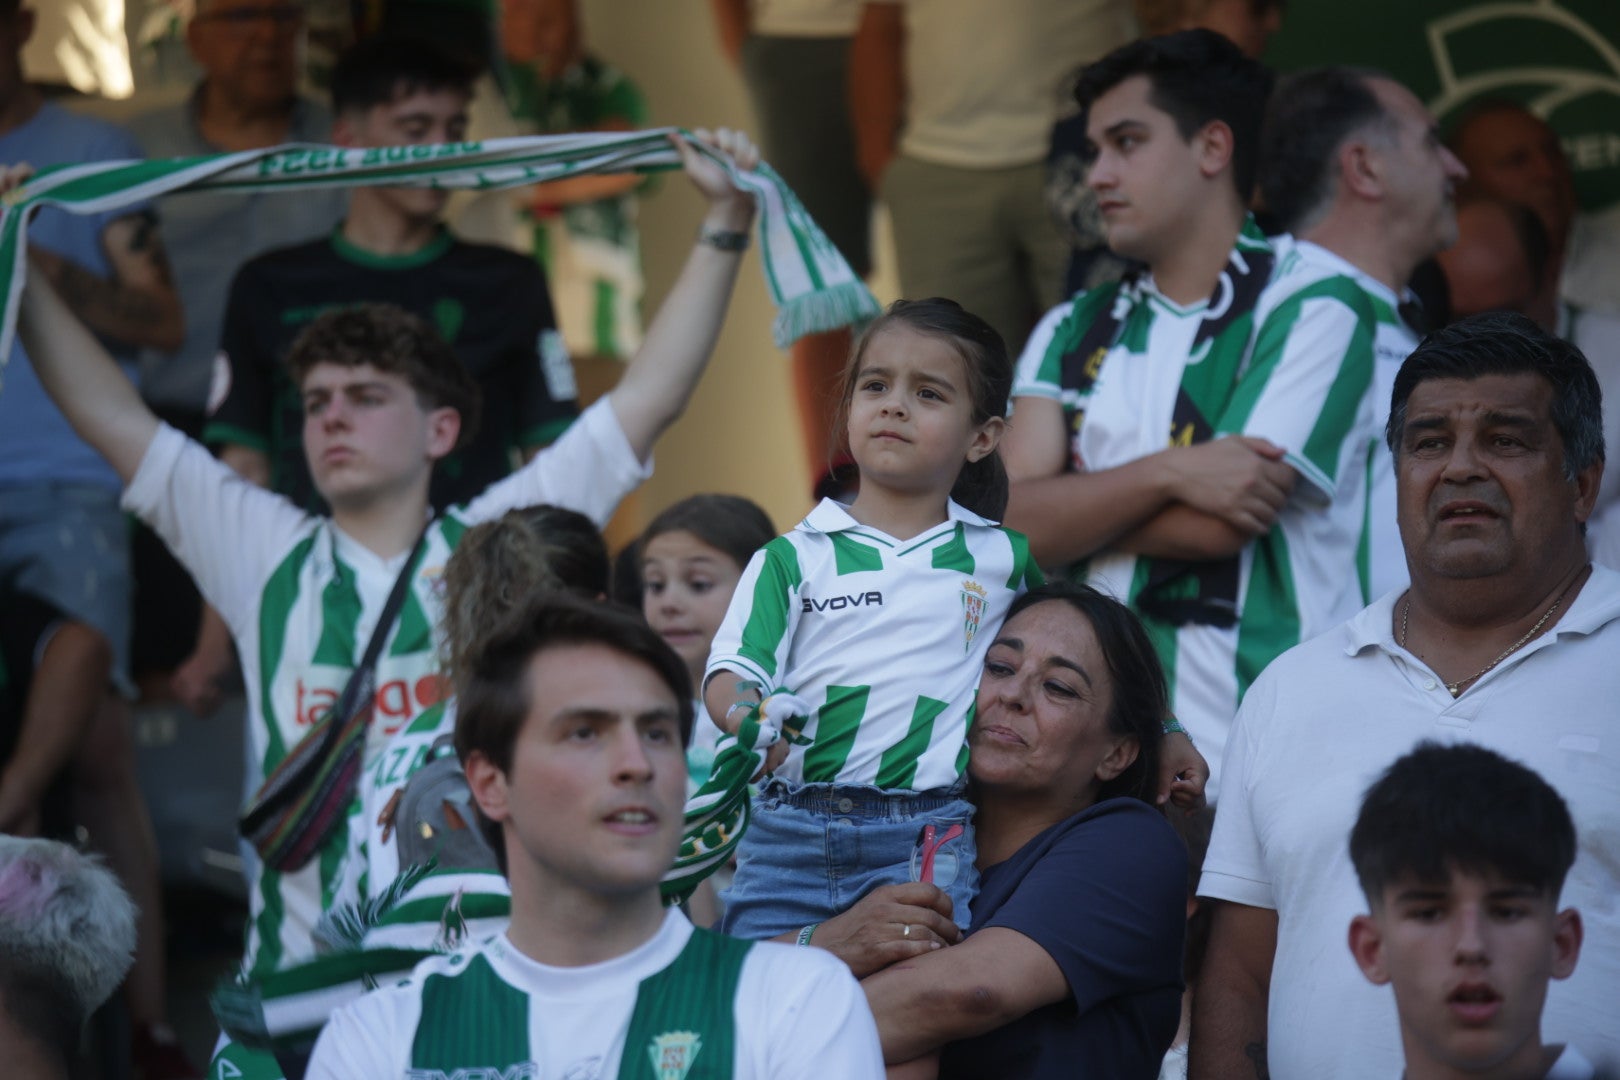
x=878, y=616
x=692, y=556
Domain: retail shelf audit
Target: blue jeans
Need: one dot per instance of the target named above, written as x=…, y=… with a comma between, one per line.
x=812, y=850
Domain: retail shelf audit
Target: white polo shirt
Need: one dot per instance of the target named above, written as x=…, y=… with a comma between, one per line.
x=1320, y=725
x=885, y=637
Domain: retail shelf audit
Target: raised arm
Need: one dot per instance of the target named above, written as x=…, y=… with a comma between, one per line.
x=86, y=384
x=138, y=304
x=659, y=382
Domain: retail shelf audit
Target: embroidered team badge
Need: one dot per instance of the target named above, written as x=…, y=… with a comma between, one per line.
x=673, y=1052
x=974, y=597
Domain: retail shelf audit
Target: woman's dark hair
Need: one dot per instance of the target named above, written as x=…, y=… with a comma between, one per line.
x=1141, y=702
x=727, y=523
x=982, y=485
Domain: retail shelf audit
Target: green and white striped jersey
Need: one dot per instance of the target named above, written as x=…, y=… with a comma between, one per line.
x=301, y=599
x=884, y=637
x=1295, y=369
x=686, y=1005
x=1381, y=562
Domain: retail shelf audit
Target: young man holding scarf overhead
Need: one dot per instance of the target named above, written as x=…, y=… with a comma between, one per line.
x=1194, y=438
x=384, y=400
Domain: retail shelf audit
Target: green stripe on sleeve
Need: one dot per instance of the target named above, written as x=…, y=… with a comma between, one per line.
x=1271, y=344
x=837, y=721
x=764, y=635
x=1336, y=417
x=898, y=769
x=1025, y=575
x=1344, y=400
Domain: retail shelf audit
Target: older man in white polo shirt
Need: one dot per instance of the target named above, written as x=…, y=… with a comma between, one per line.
x=1507, y=638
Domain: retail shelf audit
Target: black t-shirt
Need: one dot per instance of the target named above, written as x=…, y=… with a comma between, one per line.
x=1105, y=894
x=489, y=303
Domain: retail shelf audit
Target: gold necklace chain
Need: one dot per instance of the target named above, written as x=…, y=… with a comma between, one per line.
x=1456, y=687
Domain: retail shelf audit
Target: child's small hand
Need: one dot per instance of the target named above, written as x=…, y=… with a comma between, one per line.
x=773, y=760
x=1183, y=772
x=784, y=713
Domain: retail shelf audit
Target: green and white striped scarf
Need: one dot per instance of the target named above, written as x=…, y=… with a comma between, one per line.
x=813, y=287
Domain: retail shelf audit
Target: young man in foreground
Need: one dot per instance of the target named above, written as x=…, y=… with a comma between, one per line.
x=572, y=726
x=1462, y=854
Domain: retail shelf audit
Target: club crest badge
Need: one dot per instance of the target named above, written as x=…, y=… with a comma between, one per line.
x=673, y=1052
x=974, y=597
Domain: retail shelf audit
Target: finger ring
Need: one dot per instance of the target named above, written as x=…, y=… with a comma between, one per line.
x=906, y=931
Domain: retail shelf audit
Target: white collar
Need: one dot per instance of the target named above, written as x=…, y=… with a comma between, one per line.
x=832, y=517
x=1318, y=254
x=1596, y=606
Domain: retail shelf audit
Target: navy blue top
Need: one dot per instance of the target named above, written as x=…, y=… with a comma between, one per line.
x=1105, y=894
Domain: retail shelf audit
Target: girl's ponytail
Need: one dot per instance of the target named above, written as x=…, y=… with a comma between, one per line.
x=982, y=486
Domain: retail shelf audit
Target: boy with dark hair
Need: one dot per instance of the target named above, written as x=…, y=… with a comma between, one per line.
x=1462, y=854
x=571, y=724
x=1193, y=439
x=490, y=304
